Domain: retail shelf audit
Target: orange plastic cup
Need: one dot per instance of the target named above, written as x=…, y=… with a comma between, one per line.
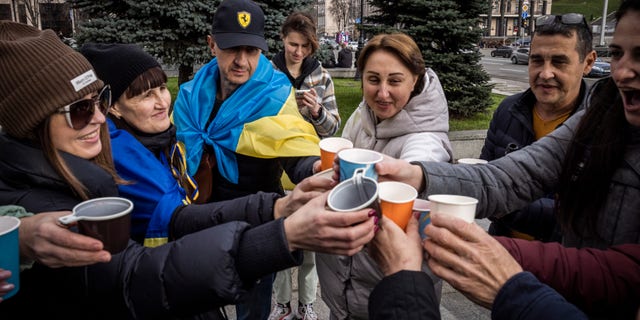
x=396, y=201
x=329, y=147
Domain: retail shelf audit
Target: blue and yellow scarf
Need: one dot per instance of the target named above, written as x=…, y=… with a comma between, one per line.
x=260, y=119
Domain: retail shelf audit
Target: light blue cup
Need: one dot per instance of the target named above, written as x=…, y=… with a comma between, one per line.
x=354, y=158
x=10, y=257
x=424, y=208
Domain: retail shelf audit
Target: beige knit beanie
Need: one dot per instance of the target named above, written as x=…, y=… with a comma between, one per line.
x=38, y=75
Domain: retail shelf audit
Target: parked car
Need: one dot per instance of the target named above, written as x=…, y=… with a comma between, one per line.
x=600, y=69
x=520, y=56
x=353, y=45
x=330, y=42
x=502, y=51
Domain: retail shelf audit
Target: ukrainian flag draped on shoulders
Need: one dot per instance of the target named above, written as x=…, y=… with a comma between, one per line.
x=260, y=119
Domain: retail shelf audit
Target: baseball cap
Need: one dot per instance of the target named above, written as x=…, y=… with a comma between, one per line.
x=239, y=23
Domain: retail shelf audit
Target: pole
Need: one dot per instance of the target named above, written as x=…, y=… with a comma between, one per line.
x=489, y=18
x=360, y=40
x=532, y=18
x=604, y=22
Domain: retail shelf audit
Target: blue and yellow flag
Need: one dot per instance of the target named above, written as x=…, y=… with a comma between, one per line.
x=260, y=119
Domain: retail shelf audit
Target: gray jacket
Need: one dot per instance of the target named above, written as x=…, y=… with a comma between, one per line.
x=417, y=132
x=509, y=183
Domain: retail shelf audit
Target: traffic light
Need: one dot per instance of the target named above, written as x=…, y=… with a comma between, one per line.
x=525, y=23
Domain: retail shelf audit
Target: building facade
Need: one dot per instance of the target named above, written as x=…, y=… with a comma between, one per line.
x=50, y=14
x=513, y=18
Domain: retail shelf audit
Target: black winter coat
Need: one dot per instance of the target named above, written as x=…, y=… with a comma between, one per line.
x=257, y=174
x=511, y=128
x=190, y=277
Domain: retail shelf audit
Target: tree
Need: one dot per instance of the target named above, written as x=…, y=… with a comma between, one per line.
x=340, y=9
x=172, y=30
x=447, y=32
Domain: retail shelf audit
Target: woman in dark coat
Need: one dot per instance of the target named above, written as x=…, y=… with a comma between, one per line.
x=56, y=153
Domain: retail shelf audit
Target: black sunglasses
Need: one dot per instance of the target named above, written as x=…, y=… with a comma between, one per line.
x=567, y=19
x=80, y=113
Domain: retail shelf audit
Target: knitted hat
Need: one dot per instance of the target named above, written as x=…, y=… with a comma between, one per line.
x=40, y=74
x=118, y=64
x=239, y=23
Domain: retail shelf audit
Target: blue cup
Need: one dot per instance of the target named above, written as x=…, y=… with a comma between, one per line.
x=354, y=158
x=423, y=207
x=10, y=257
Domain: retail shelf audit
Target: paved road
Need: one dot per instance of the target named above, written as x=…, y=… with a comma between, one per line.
x=509, y=78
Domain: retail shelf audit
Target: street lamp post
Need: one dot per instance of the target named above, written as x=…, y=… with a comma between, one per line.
x=360, y=39
x=604, y=22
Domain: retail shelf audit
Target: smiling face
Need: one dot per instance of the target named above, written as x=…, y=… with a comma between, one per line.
x=296, y=48
x=387, y=84
x=555, y=70
x=84, y=143
x=625, y=64
x=148, y=112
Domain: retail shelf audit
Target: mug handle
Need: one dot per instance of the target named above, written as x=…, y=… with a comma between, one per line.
x=68, y=219
x=358, y=175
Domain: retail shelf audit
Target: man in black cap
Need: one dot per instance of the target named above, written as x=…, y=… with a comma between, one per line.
x=240, y=123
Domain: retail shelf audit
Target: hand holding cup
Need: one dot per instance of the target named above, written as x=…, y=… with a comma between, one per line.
x=106, y=219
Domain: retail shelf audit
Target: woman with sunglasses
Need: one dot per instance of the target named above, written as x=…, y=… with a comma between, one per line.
x=54, y=156
x=147, y=155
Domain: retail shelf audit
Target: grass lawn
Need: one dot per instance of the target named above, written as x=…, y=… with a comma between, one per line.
x=589, y=8
x=349, y=95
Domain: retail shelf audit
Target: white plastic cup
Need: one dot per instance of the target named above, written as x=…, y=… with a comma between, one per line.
x=454, y=205
x=472, y=161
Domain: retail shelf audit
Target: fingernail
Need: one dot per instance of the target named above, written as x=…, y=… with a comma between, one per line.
x=375, y=220
x=376, y=229
x=372, y=213
x=6, y=287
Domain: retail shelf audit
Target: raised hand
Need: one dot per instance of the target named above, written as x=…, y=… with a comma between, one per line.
x=468, y=258
x=304, y=191
x=314, y=228
x=394, y=250
x=44, y=239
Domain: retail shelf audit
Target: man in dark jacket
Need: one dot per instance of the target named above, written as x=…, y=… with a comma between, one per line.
x=561, y=53
x=240, y=123
x=345, y=57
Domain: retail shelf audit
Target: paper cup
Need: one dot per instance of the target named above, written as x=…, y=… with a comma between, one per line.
x=10, y=251
x=472, y=161
x=328, y=149
x=346, y=197
x=423, y=207
x=354, y=158
x=396, y=201
x=454, y=205
x=106, y=219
